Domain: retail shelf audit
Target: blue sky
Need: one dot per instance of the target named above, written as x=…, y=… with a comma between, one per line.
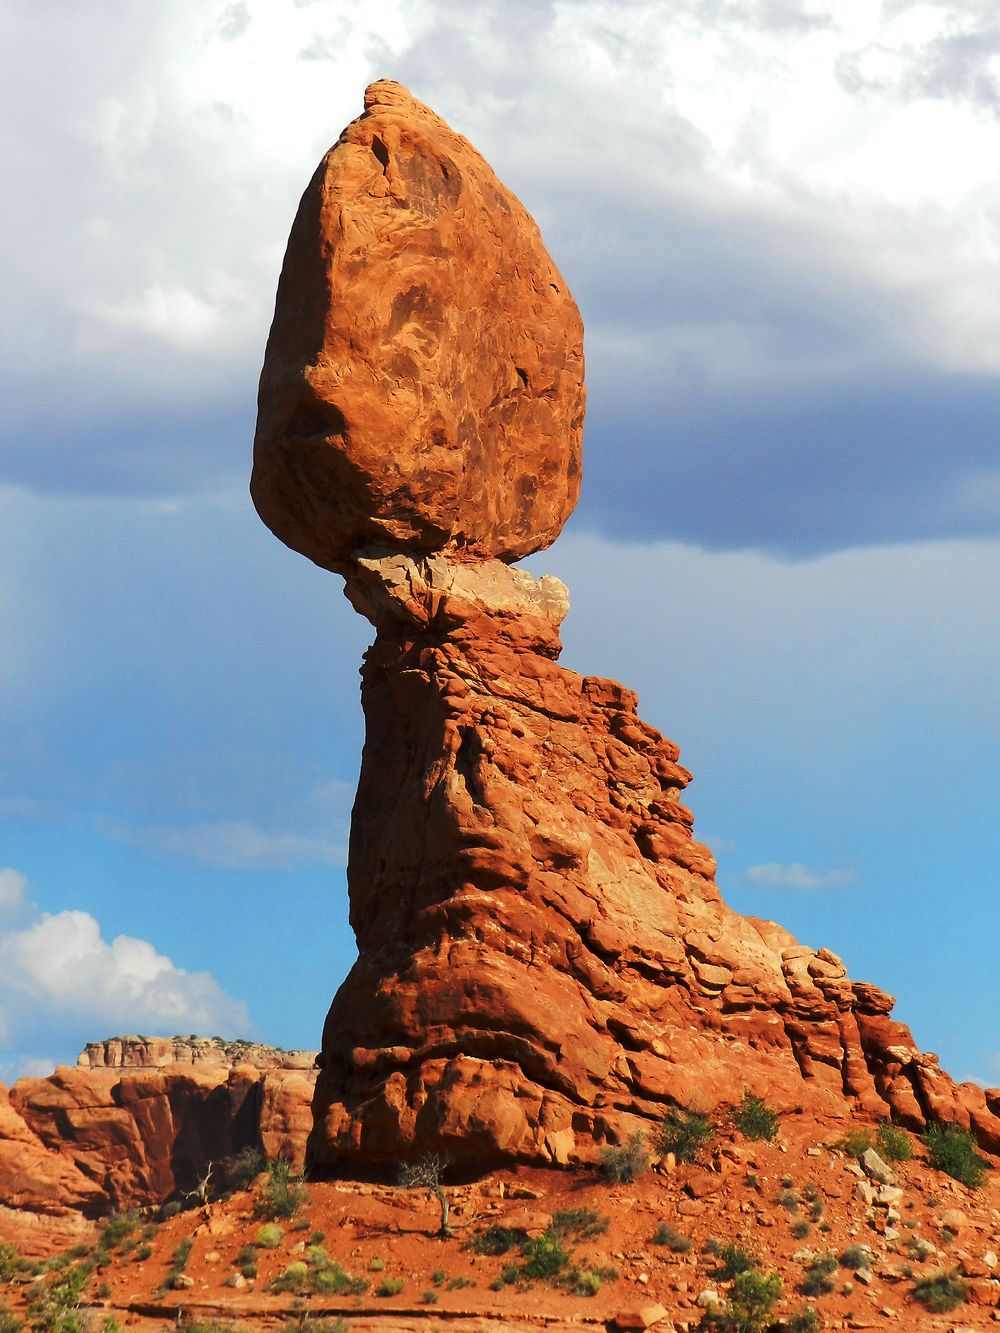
x=779, y=219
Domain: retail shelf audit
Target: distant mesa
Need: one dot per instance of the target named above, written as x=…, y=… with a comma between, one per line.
x=422, y=388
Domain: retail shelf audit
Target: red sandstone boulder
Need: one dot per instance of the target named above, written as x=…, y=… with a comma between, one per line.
x=422, y=387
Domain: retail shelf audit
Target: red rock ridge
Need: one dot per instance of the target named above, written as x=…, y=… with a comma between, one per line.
x=136, y=1128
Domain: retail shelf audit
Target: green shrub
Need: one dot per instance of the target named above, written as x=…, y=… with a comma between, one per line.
x=9, y=1322
x=754, y=1118
x=332, y=1280
x=439, y=1277
x=731, y=1260
x=282, y=1195
x=805, y=1321
x=316, y=1255
x=142, y=1253
x=377, y=1265
x=801, y=1228
x=55, y=1306
x=673, y=1240
x=626, y=1162
x=429, y=1297
x=183, y=1253
x=855, y=1257
x=244, y=1168
x=115, y=1229
x=497, y=1240
x=685, y=1133
x=583, y=1281
x=460, y=1283
x=292, y=1279
x=580, y=1223
x=856, y=1142
x=893, y=1144
x=818, y=1280
x=953, y=1151
x=269, y=1236
x=752, y=1300
x=543, y=1256
x=790, y=1200
x=940, y=1291
x=390, y=1286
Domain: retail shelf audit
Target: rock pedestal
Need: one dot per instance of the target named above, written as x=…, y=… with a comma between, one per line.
x=545, y=960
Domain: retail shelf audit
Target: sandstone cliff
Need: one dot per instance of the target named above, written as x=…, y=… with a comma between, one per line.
x=139, y=1120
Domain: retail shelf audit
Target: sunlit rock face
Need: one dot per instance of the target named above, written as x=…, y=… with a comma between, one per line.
x=545, y=961
x=422, y=387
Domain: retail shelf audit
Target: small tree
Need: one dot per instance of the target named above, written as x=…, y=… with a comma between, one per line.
x=428, y=1174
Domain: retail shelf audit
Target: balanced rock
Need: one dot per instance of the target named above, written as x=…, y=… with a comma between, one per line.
x=545, y=960
x=422, y=387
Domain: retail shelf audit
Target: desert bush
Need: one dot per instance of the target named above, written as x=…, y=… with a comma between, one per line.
x=940, y=1291
x=316, y=1255
x=685, y=1133
x=790, y=1200
x=751, y=1304
x=439, y=1277
x=855, y=1257
x=429, y=1297
x=673, y=1240
x=242, y=1169
x=460, y=1283
x=9, y=1322
x=55, y=1306
x=893, y=1144
x=731, y=1260
x=818, y=1280
x=544, y=1256
x=9, y=1262
x=428, y=1174
x=282, y=1195
x=580, y=1223
x=333, y=1280
x=114, y=1230
x=497, y=1240
x=856, y=1142
x=754, y=1118
x=953, y=1151
x=800, y=1228
x=377, y=1265
x=803, y=1321
x=292, y=1279
x=390, y=1286
x=183, y=1253
x=269, y=1236
x=625, y=1162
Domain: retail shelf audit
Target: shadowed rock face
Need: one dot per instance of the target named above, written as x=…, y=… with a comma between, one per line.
x=422, y=387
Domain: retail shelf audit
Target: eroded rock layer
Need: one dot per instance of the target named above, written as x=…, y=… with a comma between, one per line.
x=422, y=387
x=139, y=1120
x=545, y=960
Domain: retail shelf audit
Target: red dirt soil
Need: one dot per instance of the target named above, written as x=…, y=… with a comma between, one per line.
x=379, y=1232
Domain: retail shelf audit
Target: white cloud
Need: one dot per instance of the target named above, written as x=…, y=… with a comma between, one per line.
x=12, y=887
x=797, y=876
x=62, y=982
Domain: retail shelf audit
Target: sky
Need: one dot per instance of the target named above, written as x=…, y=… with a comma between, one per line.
x=779, y=219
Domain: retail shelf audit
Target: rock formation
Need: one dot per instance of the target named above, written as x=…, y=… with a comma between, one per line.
x=422, y=386
x=139, y=1120
x=545, y=960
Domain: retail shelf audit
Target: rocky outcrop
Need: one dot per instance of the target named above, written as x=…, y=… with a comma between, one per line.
x=545, y=959
x=422, y=387
x=131, y=1127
